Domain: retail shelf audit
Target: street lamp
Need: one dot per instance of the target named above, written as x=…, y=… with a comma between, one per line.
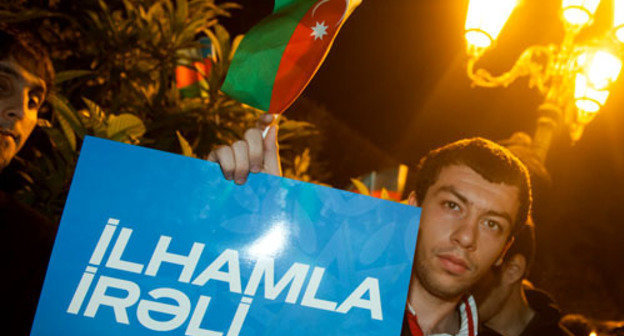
x=573, y=78
x=578, y=13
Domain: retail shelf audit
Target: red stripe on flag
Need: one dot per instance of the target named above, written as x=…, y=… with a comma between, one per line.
x=393, y=195
x=186, y=76
x=306, y=50
x=203, y=68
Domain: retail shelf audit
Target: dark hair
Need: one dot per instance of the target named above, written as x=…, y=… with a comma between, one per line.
x=577, y=324
x=493, y=162
x=524, y=244
x=28, y=52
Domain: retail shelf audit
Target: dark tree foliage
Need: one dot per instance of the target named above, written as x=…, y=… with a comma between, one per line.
x=115, y=63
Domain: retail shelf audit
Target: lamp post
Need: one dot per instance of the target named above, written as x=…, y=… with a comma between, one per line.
x=573, y=78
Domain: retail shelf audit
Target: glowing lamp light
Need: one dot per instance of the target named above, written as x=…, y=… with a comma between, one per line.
x=604, y=69
x=579, y=12
x=601, y=68
x=484, y=21
x=618, y=20
x=584, y=117
x=588, y=99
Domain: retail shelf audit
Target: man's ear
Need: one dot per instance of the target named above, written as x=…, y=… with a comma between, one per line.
x=411, y=200
x=514, y=269
x=499, y=261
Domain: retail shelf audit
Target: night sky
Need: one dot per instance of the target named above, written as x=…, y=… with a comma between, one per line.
x=394, y=86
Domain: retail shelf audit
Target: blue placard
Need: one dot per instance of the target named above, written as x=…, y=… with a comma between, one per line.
x=152, y=243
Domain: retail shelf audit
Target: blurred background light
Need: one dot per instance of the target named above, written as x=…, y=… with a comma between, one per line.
x=485, y=19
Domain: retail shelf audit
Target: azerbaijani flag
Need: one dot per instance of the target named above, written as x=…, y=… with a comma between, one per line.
x=279, y=56
x=191, y=78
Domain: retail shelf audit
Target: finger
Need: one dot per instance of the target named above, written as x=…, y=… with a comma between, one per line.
x=225, y=157
x=271, y=153
x=255, y=144
x=212, y=156
x=265, y=120
x=241, y=159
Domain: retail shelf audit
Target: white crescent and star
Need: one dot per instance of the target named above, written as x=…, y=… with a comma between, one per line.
x=348, y=2
x=319, y=30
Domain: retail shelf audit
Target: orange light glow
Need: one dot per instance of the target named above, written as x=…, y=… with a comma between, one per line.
x=601, y=67
x=598, y=70
x=588, y=99
x=618, y=20
x=579, y=12
x=485, y=19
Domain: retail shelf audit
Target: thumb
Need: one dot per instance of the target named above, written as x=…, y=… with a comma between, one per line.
x=271, y=152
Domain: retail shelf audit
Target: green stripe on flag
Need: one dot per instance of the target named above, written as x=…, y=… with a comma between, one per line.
x=252, y=72
x=279, y=4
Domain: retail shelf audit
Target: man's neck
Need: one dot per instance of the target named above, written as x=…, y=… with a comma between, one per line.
x=435, y=315
x=514, y=316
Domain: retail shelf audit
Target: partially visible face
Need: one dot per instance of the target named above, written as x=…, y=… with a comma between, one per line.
x=464, y=229
x=21, y=95
x=490, y=294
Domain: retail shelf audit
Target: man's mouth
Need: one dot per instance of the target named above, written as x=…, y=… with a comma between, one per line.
x=453, y=264
x=11, y=134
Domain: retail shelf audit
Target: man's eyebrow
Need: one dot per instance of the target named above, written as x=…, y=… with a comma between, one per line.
x=37, y=88
x=10, y=71
x=452, y=190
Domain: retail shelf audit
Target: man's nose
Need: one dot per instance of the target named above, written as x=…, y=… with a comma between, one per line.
x=466, y=232
x=12, y=108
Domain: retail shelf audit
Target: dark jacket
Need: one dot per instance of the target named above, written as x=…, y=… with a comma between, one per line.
x=545, y=322
x=547, y=315
x=26, y=244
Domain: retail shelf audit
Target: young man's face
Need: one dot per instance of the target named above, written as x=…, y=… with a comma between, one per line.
x=465, y=226
x=21, y=95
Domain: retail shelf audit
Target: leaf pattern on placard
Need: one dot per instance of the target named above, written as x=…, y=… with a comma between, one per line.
x=306, y=234
x=409, y=242
x=344, y=203
x=248, y=199
x=241, y=224
x=376, y=244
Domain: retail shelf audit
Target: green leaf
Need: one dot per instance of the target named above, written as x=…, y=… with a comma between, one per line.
x=235, y=43
x=361, y=187
x=67, y=130
x=216, y=44
x=64, y=110
x=181, y=12
x=186, y=147
x=125, y=127
x=95, y=110
x=385, y=195
x=95, y=119
x=70, y=74
x=61, y=144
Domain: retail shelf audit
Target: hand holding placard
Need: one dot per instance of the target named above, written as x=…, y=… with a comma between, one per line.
x=254, y=153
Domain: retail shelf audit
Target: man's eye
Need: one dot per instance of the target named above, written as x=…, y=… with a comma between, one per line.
x=492, y=225
x=5, y=86
x=451, y=205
